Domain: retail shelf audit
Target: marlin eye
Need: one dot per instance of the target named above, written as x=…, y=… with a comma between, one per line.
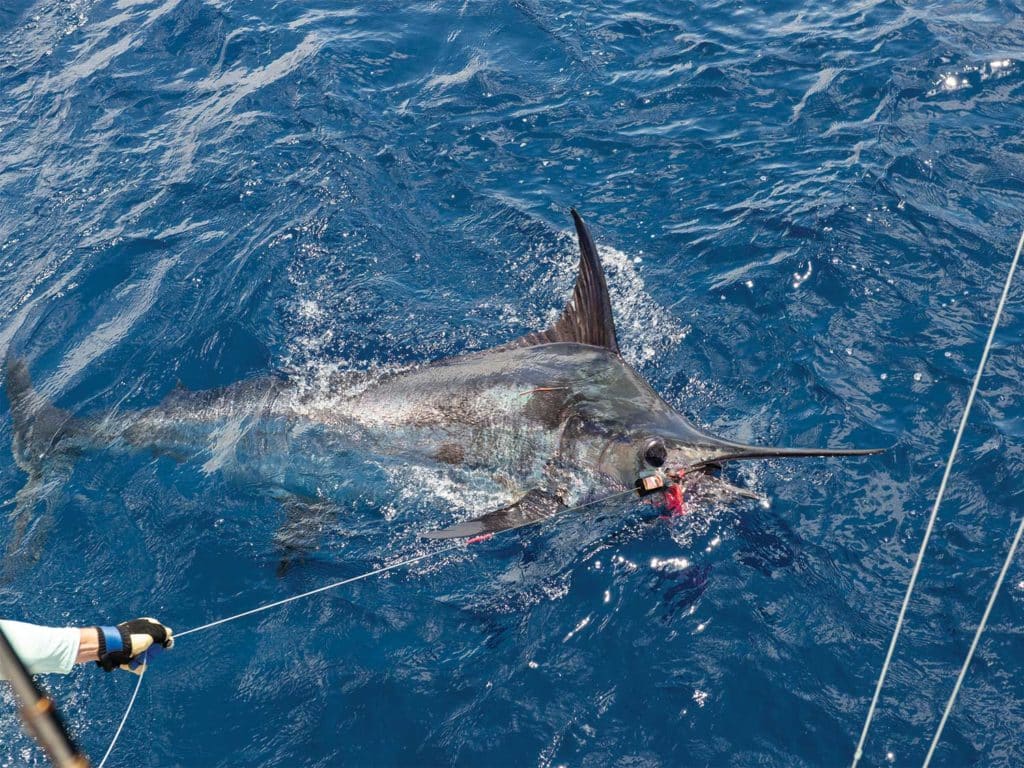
x=655, y=453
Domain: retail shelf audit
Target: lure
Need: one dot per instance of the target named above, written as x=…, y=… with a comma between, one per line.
x=674, y=501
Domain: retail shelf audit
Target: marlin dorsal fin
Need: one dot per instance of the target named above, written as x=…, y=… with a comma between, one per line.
x=587, y=318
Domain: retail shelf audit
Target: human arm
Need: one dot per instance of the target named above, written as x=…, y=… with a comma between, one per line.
x=44, y=649
x=88, y=645
x=52, y=649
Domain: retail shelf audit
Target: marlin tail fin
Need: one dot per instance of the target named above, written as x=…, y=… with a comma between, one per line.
x=40, y=428
x=42, y=437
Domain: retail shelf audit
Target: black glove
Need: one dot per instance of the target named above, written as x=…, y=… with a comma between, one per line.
x=131, y=644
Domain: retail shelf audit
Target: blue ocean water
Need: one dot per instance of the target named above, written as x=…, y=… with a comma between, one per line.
x=806, y=211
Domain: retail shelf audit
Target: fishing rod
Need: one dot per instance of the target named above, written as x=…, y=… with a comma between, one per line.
x=42, y=722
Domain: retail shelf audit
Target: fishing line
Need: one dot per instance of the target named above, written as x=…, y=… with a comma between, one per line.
x=931, y=524
x=318, y=590
x=124, y=718
x=267, y=607
x=368, y=574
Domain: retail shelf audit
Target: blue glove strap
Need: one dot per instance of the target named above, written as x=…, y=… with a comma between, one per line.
x=112, y=637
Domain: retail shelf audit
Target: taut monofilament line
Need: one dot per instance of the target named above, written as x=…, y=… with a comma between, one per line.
x=319, y=590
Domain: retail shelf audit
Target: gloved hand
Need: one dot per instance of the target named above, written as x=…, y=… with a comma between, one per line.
x=132, y=644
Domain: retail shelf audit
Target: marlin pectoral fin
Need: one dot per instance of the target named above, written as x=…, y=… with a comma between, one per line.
x=534, y=507
x=305, y=520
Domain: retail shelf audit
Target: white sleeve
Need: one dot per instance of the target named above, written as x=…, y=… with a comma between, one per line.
x=43, y=649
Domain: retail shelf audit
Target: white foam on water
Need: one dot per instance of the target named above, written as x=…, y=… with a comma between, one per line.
x=412, y=483
x=645, y=329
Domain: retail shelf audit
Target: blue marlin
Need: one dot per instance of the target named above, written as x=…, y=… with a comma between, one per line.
x=545, y=423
